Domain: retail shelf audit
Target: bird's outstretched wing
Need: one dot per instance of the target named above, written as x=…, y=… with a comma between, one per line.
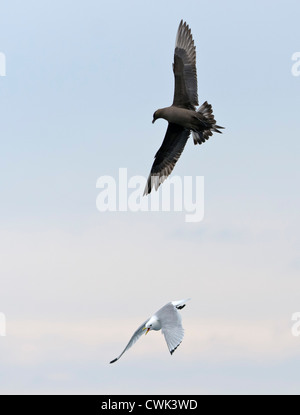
x=184, y=68
x=171, y=326
x=136, y=335
x=167, y=156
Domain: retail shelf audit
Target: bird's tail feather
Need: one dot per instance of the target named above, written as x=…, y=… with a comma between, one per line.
x=207, y=111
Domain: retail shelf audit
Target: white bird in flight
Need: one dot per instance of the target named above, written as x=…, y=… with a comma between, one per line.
x=168, y=320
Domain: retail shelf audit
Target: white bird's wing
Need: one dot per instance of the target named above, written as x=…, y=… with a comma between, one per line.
x=180, y=304
x=136, y=335
x=171, y=326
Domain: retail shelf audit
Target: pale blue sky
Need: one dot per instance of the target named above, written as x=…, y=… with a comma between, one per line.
x=83, y=80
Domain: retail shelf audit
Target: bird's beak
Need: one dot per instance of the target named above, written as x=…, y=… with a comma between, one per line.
x=145, y=328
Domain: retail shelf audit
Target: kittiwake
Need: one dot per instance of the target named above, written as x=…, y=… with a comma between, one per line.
x=168, y=320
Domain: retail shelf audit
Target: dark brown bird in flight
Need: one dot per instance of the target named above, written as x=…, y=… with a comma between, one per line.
x=181, y=115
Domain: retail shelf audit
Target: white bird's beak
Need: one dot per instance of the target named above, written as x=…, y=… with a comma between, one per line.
x=145, y=328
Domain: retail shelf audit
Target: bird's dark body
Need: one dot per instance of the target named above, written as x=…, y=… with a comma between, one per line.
x=186, y=118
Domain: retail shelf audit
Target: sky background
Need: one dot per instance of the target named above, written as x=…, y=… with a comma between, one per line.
x=83, y=79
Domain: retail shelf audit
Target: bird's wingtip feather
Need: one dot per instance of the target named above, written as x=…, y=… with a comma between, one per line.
x=173, y=350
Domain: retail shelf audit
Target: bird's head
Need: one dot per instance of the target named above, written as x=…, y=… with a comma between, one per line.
x=151, y=324
x=156, y=115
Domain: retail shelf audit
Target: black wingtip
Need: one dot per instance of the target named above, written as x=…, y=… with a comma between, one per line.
x=113, y=361
x=172, y=351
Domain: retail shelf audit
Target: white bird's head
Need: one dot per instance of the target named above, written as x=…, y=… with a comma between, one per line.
x=152, y=324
